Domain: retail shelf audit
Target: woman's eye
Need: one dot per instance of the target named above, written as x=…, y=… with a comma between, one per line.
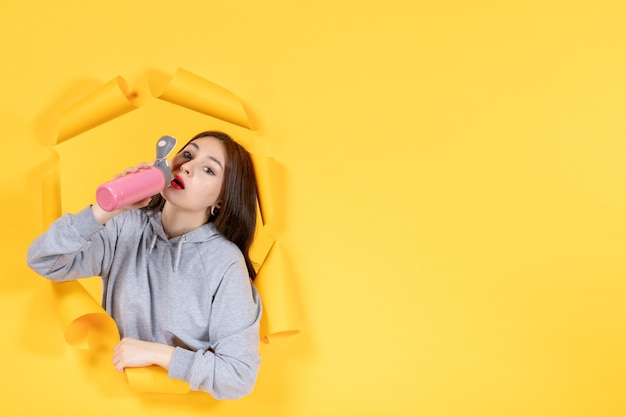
x=208, y=170
x=187, y=155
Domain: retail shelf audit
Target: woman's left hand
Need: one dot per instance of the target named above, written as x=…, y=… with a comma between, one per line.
x=133, y=353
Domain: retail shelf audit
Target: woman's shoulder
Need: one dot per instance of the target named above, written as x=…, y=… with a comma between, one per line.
x=213, y=243
x=209, y=235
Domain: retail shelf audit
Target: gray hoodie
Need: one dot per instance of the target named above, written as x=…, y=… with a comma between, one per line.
x=191, y=292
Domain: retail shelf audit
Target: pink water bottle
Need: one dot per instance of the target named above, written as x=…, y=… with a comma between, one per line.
x=136, y=186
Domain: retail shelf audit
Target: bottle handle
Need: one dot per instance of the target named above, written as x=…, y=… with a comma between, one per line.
x=164, y=146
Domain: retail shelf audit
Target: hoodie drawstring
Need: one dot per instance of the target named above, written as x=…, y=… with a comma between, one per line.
x=152, y=244
x=179, y=249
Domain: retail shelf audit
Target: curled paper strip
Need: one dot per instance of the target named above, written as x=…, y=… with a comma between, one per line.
x=277, y=292
x=82, y=316
x=86, y=325
x=154, y=379
x=262, y=243
x=264, y=169
x=109, y=101
x=194, y=92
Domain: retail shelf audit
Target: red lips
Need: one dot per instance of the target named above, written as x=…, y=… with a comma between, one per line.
x=178, y=183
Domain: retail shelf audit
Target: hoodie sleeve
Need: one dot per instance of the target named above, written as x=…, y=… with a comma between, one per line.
x=68, y=249
x=228, y=370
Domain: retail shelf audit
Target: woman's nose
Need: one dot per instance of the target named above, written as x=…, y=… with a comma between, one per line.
x=185, y=168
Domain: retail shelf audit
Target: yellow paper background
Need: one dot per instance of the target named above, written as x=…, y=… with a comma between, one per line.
x=450, y=196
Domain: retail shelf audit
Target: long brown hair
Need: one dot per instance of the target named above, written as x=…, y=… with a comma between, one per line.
x=236, y=217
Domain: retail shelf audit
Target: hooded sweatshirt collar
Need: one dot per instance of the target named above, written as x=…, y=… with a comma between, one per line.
x=203, y=233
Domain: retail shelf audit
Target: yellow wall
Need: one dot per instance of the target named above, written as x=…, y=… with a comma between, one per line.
x=452, y=197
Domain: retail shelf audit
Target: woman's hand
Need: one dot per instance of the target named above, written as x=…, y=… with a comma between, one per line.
x=133, y=353
x=104, y=216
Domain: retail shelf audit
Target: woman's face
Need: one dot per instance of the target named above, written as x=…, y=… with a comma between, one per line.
x=198, y=172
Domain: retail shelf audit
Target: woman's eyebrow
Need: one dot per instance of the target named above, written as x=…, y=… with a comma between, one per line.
x=217, y=161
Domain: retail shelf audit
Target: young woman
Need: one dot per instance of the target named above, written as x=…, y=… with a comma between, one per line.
x=175, y=269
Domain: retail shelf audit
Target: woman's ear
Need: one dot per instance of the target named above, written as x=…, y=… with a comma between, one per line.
x=212, y=209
